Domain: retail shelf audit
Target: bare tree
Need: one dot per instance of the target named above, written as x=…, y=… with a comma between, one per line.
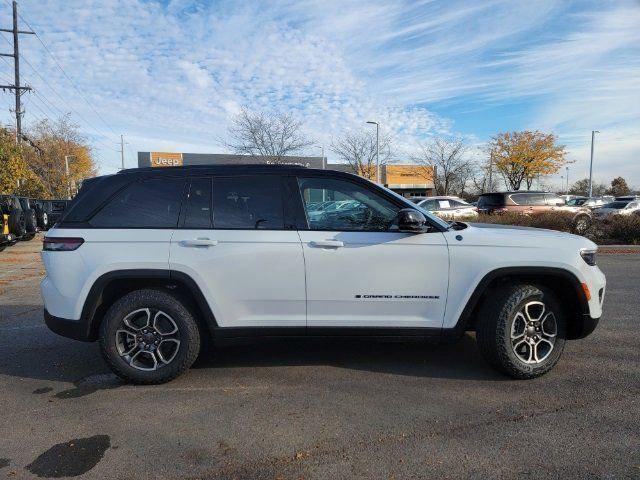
x=358, y=150
x=258, y=133
x=452, y=168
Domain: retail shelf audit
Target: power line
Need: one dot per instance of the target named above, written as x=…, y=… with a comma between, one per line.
x=66, y=75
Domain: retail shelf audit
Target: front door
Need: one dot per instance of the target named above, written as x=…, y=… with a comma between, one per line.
x=232, y=241
x=361, y=273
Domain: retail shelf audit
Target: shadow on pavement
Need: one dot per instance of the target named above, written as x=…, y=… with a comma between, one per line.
x=30, y=350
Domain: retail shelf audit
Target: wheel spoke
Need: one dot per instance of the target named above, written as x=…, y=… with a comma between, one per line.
x=532, y=305
x=123, y=349
x=166, y=351
x=164, y=324
x=518, y=327
x=141, y=353
x=549, y=325
x=135, y=316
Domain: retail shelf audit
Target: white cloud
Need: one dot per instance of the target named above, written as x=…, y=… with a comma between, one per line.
x=175, y=74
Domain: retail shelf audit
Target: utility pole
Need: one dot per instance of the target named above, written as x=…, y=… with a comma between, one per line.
x=16, y=87
x=567, y=169
x=593, y=136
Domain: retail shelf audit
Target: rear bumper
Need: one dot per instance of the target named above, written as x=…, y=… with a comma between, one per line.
x=75, y=329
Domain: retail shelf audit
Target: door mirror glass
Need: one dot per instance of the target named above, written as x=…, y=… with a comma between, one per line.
x=412, y=221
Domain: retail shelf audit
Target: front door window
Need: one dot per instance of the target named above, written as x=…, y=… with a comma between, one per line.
x=340, y=205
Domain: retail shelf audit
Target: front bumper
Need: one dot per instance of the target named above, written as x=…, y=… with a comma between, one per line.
x=75, y=329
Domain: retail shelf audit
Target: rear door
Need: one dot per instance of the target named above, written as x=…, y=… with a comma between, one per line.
x=235, y=242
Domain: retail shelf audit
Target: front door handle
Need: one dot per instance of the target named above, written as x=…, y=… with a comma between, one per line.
x=327, y=243
x=199, y=242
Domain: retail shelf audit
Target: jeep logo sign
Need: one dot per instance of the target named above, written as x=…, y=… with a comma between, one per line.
x=166, y=159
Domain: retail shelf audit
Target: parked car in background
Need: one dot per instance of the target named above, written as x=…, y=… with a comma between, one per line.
x=446, y=207
x=627, y=198
x=11, y=207
x=618, y=207
x=588, y=202
x=531, y=203
x=54, y=210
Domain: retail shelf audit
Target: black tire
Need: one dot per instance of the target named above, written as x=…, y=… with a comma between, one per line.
x=127, y=367
x=494, y=330
x=31, y=221
x=17, y=224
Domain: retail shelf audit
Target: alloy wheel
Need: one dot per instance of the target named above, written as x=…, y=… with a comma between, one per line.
x=533, y=332
x=148, y=339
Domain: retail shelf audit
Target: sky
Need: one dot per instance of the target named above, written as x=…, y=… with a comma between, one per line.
x=171, y=75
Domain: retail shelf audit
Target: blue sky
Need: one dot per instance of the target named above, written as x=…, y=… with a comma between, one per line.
x=171, y=75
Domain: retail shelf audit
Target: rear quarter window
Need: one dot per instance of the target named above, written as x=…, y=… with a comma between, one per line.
x=152, y=203
x=491, y=201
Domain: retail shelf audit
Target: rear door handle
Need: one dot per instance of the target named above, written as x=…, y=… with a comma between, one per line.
x=199, y=242
x=327, y=243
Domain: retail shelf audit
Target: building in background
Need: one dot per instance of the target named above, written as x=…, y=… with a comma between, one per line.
x=409, y=180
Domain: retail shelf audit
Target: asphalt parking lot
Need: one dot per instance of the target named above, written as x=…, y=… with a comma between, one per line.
x=322, y=410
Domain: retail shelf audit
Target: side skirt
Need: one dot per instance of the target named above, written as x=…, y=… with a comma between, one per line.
x=235, y=335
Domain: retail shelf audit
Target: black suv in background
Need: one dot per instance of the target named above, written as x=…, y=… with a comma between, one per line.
x=54, y=210
x=10, y=205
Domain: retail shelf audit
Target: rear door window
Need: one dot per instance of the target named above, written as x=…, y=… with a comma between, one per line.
x=198, y=212
x=153, y=203
x=248, y=202
x=492, y=200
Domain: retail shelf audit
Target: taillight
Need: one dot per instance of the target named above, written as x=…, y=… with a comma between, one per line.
x=61, y=244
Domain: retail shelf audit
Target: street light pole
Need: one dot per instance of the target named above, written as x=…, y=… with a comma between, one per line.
x=321, y=147
x=593, y=136
x=377, y=150
x=567, y=191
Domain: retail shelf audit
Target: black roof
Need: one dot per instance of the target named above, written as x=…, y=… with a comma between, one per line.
x=239, y=168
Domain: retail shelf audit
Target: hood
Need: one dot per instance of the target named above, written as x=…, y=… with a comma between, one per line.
x=516, y=236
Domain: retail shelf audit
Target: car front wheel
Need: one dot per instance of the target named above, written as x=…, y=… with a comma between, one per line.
x=521, y=330
x=149, y=337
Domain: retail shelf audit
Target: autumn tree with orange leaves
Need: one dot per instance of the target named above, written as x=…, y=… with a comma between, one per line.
x=523, y=156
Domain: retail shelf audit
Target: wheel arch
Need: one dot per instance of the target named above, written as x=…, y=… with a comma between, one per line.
x=563, y=282
x=113, y=285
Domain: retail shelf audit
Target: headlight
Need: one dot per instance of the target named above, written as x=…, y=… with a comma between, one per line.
x=589, y=255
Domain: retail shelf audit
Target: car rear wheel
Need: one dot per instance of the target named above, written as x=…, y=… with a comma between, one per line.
x=521, y=330
x=149, y=337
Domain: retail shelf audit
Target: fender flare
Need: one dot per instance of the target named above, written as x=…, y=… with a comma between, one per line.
x=523, y=271
x=94, y=297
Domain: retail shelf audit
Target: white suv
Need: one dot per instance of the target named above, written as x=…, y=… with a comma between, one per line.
x=154, y=263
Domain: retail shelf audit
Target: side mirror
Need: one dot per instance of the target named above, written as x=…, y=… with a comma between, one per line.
x=412, y=221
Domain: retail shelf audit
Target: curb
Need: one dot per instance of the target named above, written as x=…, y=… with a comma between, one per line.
x=625, y=249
